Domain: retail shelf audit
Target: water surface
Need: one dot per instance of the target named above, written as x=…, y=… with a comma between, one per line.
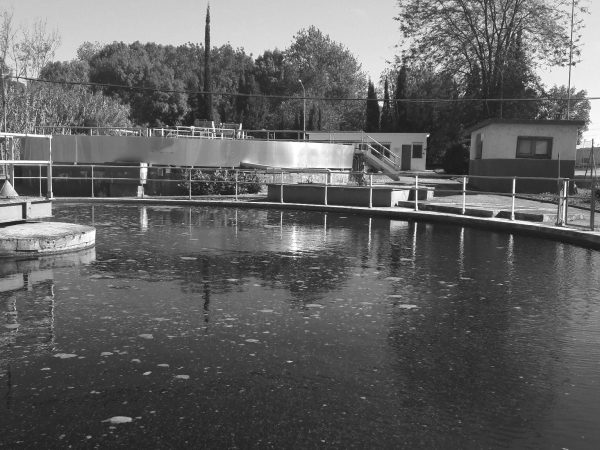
x=211, y=327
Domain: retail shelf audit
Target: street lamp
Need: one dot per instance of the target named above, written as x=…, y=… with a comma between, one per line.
x=303, y=110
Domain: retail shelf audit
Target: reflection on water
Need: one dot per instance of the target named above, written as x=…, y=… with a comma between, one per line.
x=27, y=290
x=254, y=328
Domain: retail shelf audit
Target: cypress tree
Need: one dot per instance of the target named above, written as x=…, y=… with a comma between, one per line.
x=208, y=98
x=320, y=120
x=372, y=123
x=400, y=107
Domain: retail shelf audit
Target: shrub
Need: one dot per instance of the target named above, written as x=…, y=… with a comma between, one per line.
x=456, y=160
x=220, y=182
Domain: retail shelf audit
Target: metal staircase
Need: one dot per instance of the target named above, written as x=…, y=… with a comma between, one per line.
x=379, y=157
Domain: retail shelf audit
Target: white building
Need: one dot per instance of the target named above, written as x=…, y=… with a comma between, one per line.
x=406, y=151
x=522, y=148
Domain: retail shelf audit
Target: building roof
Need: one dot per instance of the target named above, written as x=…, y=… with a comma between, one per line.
x=485, y=123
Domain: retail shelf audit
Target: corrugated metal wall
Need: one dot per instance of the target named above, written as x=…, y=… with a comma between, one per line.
x=84, y=149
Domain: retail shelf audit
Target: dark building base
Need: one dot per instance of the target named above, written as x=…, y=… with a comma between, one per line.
x=534, y=175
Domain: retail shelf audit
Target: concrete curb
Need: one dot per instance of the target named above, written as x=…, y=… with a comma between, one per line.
x=583, y=238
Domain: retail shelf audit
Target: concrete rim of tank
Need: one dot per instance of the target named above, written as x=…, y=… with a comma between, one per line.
x=44, y=238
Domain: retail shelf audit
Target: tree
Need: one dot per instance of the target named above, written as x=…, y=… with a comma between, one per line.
x=24, y=51
x=463, y=36
x=456, y=160
x=75, y=105
x=400, y=105
x=372, y=112
x=387, y=119
x=556, y=104
x=87, y=50
x=151, y=89
x=208, y=97
x=229, y=66
x=328, y=70
x=186, y=61
x=442, y=120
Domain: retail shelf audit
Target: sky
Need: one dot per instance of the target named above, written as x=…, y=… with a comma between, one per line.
x=366, y=28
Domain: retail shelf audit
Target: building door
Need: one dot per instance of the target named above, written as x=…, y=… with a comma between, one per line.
x=406, y=156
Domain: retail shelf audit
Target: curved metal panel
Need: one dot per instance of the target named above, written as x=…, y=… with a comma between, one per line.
x=191, y=152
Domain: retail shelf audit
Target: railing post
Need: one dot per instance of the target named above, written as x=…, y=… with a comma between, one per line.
x=326, y=183
x=12, y=166
x=281, y=194
x=566, y=203
x=514, y=193
x=50, y=194
x=190, y=185
x=40, y=179
x=92, y=181
x=236, y=185
x=464, y=196
x=416, y=192
x=561, y=213
x=370, y=190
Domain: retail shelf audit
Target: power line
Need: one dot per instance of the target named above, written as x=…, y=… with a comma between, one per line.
x=288, y=97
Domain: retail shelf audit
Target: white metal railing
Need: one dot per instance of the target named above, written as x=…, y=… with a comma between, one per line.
x=9, y=164
x=205, y=131
x=456, y=188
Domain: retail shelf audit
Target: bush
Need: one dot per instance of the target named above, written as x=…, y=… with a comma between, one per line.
x=456, y=160
x=220, y=182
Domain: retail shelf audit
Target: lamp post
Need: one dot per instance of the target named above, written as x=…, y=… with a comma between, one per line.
x=303, y=110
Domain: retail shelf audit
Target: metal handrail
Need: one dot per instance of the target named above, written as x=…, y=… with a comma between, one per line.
x=101, y=172
x=382, y=156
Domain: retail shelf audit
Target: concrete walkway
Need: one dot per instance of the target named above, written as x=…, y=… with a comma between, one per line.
x=489, y=205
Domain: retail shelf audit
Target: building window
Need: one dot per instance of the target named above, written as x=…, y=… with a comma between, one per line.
x=478, y=146
x=534, y=147
x=417, y=151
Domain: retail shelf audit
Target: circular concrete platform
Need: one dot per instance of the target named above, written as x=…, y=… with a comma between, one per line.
x=43, y=238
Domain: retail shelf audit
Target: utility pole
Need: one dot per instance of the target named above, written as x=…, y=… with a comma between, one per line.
x=570, y=61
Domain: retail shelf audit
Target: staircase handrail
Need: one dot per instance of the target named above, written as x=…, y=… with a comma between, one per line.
x=370, y=149
x=393, y=158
